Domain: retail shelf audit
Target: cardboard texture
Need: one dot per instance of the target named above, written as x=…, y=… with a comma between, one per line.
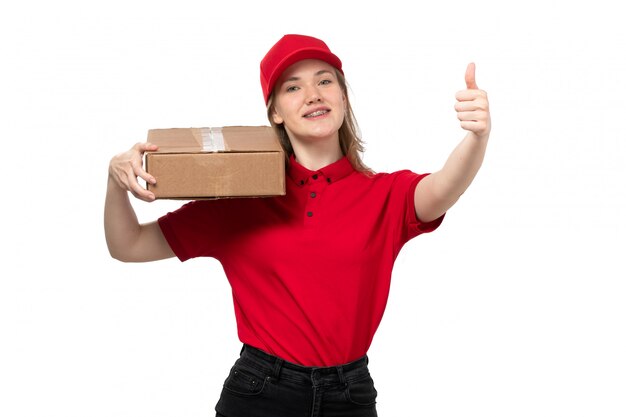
x=232, y=161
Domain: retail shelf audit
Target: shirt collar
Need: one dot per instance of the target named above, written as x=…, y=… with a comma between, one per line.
x=332, y=173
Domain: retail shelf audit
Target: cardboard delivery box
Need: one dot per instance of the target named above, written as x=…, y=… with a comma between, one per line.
x=233, y=161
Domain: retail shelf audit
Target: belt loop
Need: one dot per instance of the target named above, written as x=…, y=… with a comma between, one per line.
x=278, y=364
x=342, y=378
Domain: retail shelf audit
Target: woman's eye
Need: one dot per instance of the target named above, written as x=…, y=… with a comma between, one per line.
x=292, y=88
x=325, y=82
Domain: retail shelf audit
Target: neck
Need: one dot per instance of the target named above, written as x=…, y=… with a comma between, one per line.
x=318, y=155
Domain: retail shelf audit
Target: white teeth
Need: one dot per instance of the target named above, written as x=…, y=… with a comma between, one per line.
x=317, y=113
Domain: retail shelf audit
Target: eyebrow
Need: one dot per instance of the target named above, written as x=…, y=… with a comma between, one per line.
x=320, y=72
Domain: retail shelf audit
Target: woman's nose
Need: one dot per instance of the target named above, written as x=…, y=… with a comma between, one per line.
x=312, y=96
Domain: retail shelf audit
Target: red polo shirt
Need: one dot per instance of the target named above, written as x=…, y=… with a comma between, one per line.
x=309, y=271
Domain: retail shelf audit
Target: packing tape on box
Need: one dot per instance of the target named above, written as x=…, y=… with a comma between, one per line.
x=212, y=139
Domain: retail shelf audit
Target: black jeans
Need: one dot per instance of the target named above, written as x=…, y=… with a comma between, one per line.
x=262, y=385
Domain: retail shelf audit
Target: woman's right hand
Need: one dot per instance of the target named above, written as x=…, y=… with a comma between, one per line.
x=125, y=167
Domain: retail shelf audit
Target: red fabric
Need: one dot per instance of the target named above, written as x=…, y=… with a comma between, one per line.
x=309, y=271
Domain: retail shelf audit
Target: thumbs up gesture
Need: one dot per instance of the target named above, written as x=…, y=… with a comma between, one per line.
x=472, y=106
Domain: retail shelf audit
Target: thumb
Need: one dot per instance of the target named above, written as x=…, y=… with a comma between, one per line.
x=470, y=77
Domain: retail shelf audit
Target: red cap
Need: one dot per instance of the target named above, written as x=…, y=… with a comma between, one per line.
x=289, y=50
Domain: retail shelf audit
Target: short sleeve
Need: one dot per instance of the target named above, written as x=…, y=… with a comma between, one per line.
x=193, y=230
x=404, y=186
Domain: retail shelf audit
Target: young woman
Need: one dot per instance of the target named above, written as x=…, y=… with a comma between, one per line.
x=310, y=271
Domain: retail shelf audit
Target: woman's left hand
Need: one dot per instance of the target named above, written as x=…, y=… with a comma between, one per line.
x=472, y=106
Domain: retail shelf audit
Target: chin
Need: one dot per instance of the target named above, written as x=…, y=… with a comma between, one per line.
x=315, y=135
x=326, y=132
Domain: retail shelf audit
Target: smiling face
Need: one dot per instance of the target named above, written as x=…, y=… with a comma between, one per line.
x=309, y=102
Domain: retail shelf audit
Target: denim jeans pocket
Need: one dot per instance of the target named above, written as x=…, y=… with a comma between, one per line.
x=245, y=381
x=361, y=391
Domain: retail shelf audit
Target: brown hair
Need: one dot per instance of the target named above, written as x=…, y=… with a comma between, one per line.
x=349, y=134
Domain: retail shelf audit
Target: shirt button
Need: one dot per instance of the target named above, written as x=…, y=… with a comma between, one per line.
x=314, y=176
x=328, y=180
x=310, y=214
x=301, y=182
x=313, y=195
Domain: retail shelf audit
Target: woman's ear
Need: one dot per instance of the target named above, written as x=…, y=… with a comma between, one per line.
x=276, y=117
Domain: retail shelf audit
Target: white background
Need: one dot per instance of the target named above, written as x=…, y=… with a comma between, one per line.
x=514, y=307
